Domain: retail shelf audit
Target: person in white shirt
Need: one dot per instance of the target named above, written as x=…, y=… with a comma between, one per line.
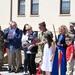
x=48, y=55
x=24, y=43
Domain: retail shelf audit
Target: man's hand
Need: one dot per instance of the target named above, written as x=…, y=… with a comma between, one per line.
x=11, y=36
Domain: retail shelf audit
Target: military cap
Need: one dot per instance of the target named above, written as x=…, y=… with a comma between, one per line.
x=42, y=24
x=72, y=24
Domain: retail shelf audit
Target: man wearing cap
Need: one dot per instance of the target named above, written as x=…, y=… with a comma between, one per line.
x=72, y=31
x=44, y=30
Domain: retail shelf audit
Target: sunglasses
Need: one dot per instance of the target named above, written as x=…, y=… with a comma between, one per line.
x=67, y=40
x=27, y=29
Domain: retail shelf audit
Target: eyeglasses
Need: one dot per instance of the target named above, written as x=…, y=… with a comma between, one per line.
x=27, y=29
x=67, y=40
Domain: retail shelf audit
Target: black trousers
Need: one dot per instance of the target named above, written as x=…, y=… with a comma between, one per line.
x=31, y=63
x=25, y=60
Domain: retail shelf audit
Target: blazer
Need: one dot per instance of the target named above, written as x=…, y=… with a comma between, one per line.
x=16, y=41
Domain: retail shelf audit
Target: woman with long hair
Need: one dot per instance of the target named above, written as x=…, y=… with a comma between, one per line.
x=24, y=43
x=47, y=61
x=61, y=48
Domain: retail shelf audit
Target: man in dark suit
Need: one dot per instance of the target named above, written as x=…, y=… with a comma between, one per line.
x=14, y=38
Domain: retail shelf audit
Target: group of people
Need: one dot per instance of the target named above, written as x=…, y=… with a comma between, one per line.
x=54, y=57
x=15, y=40
x=60, y=57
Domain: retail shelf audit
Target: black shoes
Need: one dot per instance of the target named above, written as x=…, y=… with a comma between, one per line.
x=11, y=70
x=14, y=70
x=17, y=71
x=21, y=69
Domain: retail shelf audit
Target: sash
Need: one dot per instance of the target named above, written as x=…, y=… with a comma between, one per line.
x=61, y=62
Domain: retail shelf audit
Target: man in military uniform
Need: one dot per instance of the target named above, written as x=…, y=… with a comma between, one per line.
x=44, y=30
x=1, y=47
x=72, y=31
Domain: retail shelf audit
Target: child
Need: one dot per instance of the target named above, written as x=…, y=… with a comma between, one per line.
x=69, y=55
x=48, y=55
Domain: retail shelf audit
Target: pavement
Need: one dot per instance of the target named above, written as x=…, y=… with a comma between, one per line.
x=4, y=70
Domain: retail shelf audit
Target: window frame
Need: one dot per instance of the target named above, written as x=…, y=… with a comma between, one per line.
x=61, y=11
x=19, y=14
x=31, y=13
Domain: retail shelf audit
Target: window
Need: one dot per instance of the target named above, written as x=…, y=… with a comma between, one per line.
x=34, y=7
x=65, y=7
x=21, y=7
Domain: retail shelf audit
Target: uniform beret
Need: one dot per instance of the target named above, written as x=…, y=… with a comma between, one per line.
x=42, y=24
x=72, y=24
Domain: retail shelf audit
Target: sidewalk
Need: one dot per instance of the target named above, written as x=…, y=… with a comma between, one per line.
x=5, y=71
x=38, y=58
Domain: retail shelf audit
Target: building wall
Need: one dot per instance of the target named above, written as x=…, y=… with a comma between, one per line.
x=49, y=11
x=4, y=13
